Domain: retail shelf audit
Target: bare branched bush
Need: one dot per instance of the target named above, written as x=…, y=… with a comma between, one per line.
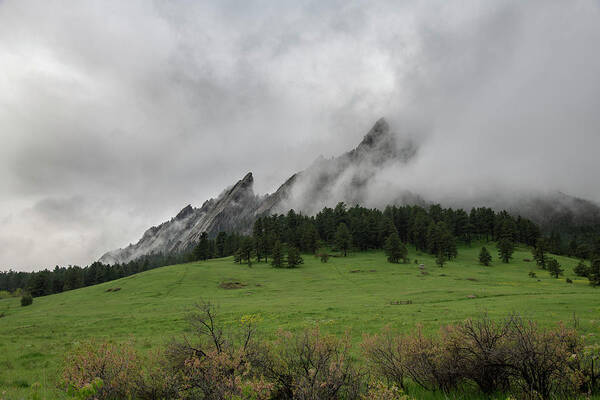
x=216, y=365
x=544, y=360
x=385, y=355
x=483, y=349
x=310, y=366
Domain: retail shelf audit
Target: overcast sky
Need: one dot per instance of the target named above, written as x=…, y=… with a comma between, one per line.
x=116, y=114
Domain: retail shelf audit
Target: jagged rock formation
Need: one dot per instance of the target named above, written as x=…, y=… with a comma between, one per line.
x=324, y=183
x=233, y=210
x=237, y=207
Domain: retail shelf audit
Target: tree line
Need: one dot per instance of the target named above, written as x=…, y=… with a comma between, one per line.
x=434, y=230
x=60, y=279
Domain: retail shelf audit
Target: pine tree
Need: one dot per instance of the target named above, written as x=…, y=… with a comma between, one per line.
x=506, y=249
x=238, y=255
x=293, y=259
x=594, y=272
x=343, y=238
x=201, y=250
x=247, y=247
x=220, y=244
x=395, y=249
x=539, y=252
x=581, y=269
x=277, y=255
x=485, y=258
x=554, y=268
x=440, y=260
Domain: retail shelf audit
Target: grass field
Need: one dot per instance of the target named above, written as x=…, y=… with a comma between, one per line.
x=353, y=293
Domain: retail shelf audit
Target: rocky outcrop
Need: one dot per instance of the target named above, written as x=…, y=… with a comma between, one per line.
x=237, y=207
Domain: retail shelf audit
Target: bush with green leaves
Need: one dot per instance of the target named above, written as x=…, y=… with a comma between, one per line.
x=26, y=300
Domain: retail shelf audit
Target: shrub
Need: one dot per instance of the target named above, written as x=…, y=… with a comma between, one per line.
x=26, y=300
x=116, y=366
x=216, y=365
x=380, y=391
x=541, y=360
x=310, y=366
x=483, y=350
x=385, y=354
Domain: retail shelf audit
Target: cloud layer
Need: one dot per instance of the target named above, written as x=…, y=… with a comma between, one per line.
x=114, y=115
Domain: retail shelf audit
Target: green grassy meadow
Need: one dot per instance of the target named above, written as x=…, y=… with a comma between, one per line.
x=353, y=293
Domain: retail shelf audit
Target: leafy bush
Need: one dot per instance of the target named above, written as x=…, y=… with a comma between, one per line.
x=26, y=300
x=116, y=365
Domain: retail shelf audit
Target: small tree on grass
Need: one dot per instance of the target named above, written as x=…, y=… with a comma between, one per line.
x=485, y=258
x=594, y=274
x=26, y=300
x=277, y=255
x=440, y=260
x=395, y=249
x=237, y=256
x=554, y=268
x=343, y=238
x=539, y=252
x=294, y=259
x=506, y=249
x=247, y=247
x=581, y=269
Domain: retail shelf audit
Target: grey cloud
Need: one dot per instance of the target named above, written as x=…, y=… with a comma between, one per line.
x=137, y=108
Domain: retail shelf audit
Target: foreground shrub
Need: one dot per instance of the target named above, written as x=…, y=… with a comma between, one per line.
x=216, y=364
x=544, y=360
x=385, y=354
x=483, y=349
x=310, y=366
x=380, y=391
x=511, y=355
x=113, y=370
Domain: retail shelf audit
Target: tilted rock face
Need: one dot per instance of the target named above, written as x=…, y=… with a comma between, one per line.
x=233, y=210
x=324, y=183
x=237, y=208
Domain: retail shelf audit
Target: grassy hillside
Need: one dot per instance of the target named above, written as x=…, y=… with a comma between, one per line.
x=356, y=293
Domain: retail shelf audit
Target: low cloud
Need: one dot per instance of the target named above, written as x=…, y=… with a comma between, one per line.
x=114, y=115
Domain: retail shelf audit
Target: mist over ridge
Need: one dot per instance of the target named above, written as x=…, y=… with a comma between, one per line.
x=357, y=177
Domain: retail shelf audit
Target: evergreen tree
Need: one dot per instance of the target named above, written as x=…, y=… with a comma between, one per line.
x=220, y=244
x=485, y=258
x=581, y=269
x=440, y=260
x=238, y=256
x=343, y=238
x=594, y=272
x=293, y=258
x=247, y=248
x=201, y=249
x=539, y=252
x=395, y=249
x=277, y=255
x=554, y=268
x=506, y=249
